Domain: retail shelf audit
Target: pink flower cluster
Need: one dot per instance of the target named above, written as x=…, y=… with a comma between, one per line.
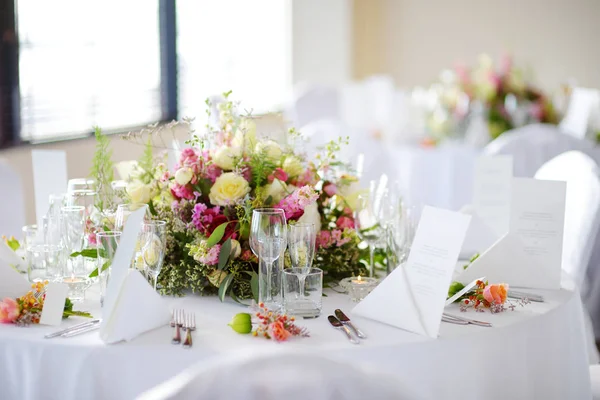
x=326, y=239
x=9, y=311
x=203, y=217
x=278, y=174
x=198, y=163
x=294, y=204
x=211, y=257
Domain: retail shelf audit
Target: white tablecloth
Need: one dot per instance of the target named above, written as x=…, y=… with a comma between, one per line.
x=536, y=352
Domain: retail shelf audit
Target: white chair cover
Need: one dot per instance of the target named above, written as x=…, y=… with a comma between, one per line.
x=533, y=145
x=582, y=222
x=12, y=212
x=583, y=112
x=279, y=375
x=313, y=103
x=595, y=378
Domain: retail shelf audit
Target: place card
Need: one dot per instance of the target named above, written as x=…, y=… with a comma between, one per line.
x=10, y=257
x=492, y=191
x=12, y=283
x=54, y=304
x=530, y=254
x=49, y=177
x=131, y=306
x=413, y=296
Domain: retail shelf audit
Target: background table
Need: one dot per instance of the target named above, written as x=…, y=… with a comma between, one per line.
x=533, y=352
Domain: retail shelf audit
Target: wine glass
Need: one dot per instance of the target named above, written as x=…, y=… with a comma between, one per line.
x=301, y=245
x=124, y=211
x=268, y=233
x=153, y=248
x=76, y=277
x=368, y=226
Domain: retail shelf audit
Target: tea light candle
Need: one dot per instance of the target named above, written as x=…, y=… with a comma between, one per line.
x=359, y=287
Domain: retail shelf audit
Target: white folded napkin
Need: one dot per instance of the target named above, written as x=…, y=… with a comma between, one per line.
x=12, y=283
x=10, y=257
x=479, y=236
x=138, y=309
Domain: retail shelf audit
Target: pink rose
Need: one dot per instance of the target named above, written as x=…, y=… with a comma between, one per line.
x=345, y=222
x=330, y=189
x=496, y=293
x=9, y=311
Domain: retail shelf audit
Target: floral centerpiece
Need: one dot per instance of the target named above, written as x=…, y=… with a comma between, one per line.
x=501, y=94
x=208, y=198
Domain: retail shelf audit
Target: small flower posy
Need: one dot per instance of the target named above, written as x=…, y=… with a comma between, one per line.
x=494, y=297
x=270, y=324
x=27, y=310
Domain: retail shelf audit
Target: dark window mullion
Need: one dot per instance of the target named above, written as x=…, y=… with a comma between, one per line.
x=9, y=75
x=168, y=58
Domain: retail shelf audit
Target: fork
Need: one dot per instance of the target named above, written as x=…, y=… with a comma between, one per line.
x=190, y=326
x=177, y=322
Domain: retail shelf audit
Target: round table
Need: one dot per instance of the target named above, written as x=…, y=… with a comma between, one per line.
x=533, y=352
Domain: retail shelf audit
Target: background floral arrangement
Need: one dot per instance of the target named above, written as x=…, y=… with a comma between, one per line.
x=503, y=94
x=207, y=202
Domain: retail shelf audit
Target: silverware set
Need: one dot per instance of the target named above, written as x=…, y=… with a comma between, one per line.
x=180, y=320
x=453, y=319
x=75, y=330
x=341, y=322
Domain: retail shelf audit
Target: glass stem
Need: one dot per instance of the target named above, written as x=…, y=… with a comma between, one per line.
x=268, y=288
x=301, y=281
x=372, y=260
x=155, y=277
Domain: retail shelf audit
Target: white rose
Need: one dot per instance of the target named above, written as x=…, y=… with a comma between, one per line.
x=277, y=190
x=184, y=175
x=228, y=188
x=292, y=166
x=271, y=148
x=311, y=216
x=236, y=249
x=245, y=136
x=223, y=157
x=138, y=192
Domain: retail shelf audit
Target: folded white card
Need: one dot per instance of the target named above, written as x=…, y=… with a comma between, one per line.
x=479, y=236
x=491, y=191
x=12, y=283
x=413, y=296
x=49, y=177
x=54, y=304
x=530, y=255
x=131, y=306
x=11, y=258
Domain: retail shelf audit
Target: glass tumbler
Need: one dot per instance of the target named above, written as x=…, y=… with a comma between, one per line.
x=43, y=262
x=309, y=303
x=107, y=247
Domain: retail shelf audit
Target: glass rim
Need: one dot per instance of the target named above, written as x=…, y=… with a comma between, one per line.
x=157, y=222
x=129, y=205
x=72, y=208
x=45, y=246
x=269, y=210
x=108, y=234
x=302, y=224
x=313, y=271
x=30, y=227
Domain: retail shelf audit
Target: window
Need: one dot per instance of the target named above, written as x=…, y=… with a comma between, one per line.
x=237, y=45
x=87, y=63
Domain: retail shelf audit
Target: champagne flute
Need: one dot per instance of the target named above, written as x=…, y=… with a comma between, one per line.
x=74, y=232
x=301, y=245
x=153, y=248
x=368, y=227
x=268, y=232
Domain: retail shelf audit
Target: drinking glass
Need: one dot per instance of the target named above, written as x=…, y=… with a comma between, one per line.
x=390, y=212
x=43, y=262
x=153, y=248
x=301, y=245
x=107, y=242
x=80, y=184
x=76, y=275
x=124, y=211
x=305, y=301
x=402, y=232
x=268, y=233
x=368, y=226
x=30, y=233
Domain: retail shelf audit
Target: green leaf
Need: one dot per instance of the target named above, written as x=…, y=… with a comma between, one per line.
x=269, y=200
x=89, y=253
x=151, y=208
x=254, y=285
x=94, y=273
x=217, y=234
x=224, y=254
x=224, y=286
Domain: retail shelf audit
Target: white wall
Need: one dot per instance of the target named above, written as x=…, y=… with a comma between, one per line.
x=557, y=39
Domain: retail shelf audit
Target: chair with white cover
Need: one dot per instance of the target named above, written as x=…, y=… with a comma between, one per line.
x=313, y=103
x=12, y=212
x=278, y=374
x=533, y=145
x=582, y=220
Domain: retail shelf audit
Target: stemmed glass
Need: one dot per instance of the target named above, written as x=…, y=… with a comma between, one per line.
x=268, y=233
x=301, y=245
x=123, y=212
x=153, y=248
x=76, y=278
x=368, y=226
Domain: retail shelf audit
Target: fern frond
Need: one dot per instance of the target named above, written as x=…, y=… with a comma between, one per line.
x=102, y=171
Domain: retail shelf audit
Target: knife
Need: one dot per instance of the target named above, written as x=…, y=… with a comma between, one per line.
x=343, y=318
x=515, y=294
x=71, y=328
x=454, y=321
x=339, y=326
x=470, y=321
x=82, y=330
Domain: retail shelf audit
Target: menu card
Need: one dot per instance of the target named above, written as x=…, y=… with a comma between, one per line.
x=49, y=177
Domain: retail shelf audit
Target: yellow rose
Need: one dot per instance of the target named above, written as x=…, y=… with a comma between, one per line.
x=228, y=188
x=139, y=193
x=223, y=157
x=271, y=148
x=216, y=277
x=236, y=249
x=245, y=136
x=277, y=190
x=184, y=175
x=292, y=166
